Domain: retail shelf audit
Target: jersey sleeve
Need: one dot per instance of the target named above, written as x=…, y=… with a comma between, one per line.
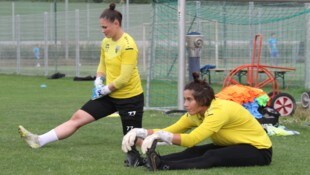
x=128, y=64
x=212, y=123
x=124, y=77
x=101, y=65
x=182, y=125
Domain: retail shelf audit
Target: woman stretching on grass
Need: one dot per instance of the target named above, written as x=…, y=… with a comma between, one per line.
x=123, y=90
x=237, y=137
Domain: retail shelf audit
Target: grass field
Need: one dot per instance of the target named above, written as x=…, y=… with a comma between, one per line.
x=95, y=148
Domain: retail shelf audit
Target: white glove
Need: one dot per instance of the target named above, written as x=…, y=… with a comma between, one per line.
x=130, y=137
x=99, y=81
x=162, y=135
x=100, y=92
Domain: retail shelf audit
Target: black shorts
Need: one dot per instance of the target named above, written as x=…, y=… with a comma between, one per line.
x=129, y=109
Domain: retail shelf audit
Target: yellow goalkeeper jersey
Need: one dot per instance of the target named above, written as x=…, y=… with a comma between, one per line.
x=118, y=61
x=225, y=122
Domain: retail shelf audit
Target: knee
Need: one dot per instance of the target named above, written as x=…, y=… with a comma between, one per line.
x=212, y=157
x=80, y=118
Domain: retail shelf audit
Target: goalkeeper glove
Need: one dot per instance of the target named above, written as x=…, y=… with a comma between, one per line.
x=100, y=92
x=99, y=81
x=159, y=135
x=130, y=137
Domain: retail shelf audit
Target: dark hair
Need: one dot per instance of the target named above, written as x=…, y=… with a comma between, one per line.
x=203, y=93
x=111, y=14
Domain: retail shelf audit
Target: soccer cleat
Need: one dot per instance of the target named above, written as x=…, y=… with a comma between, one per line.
x=134, y=159
x=153, y=158
x=30, y=139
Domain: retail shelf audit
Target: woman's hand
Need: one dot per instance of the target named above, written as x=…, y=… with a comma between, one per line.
x=130, y=137
x=159, y=135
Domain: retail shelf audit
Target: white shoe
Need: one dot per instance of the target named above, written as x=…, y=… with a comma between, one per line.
x=31, y=139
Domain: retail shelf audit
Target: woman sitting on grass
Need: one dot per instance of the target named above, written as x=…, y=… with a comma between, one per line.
x=237, y=137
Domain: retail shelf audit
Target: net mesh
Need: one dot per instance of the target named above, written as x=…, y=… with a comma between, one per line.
x=228, y=29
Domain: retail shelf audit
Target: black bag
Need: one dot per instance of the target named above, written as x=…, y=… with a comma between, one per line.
x=270, y=116
x=57, y=76
x=87, y=78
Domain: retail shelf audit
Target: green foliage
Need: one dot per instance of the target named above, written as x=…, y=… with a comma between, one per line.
x=95, y=148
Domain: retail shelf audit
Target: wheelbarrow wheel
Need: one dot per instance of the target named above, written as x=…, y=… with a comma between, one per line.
x=305, y=100
x=284, y=103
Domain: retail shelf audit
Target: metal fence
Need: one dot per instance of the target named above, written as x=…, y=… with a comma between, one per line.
x=68, y=40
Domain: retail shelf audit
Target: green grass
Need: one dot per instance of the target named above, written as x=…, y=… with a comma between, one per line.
x=95, y=148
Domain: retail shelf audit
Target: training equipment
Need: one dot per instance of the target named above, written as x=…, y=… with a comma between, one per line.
x=130, y=137
x=282, y=102
x=162, y=135
x=30, y=139
x=134, y=159
x=99, y=81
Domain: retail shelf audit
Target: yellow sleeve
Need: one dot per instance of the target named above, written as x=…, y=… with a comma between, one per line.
x=128, y=64
x=124, y=77
x=196, y=136
x=211, y=124
x=130, y=56
x=182, y=125
x=186, y=123
x=101, y=65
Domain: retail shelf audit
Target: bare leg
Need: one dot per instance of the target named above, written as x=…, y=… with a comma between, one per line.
x=78, y=119
x=66, y=129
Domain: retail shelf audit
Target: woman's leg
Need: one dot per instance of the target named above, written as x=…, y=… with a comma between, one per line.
x=131, y=112
x=89, y=112
x=62, y=131
x=188, y=153
x=231, y=156
x=78, y=119
x=66, y=129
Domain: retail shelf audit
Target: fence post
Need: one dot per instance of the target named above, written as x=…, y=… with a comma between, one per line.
x=13, y=21
x=17, y=34
x=181, y=57
x=307, y=53
x=127, y=14
x=145, y=45
x=77, y=39
x=66, y=31
x=87, y=21
x=46, y=43
x=51, y=20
